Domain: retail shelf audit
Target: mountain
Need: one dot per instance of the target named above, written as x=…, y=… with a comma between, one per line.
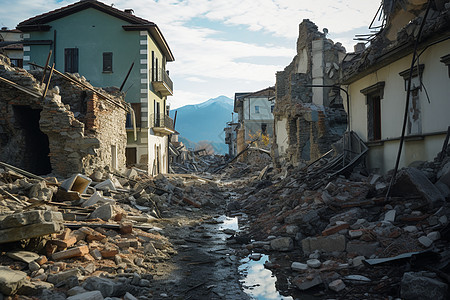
x=205, y=121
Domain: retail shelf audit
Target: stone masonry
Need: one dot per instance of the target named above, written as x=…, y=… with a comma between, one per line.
x=314, y=117
x=72, y=130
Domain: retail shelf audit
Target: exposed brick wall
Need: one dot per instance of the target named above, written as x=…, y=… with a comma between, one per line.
x=80, y=126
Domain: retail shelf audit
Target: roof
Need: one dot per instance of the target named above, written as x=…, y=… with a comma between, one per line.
x=239, y=97
x=39, y=22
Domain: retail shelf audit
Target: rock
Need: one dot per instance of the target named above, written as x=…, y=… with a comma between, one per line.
x=292, y=229
x=337, y=285
x=94, y=295
x=282, y=244
x=304, y=283
x=348, y=216
x=11, y=280
x=362, y=248
x=313, y=263
x=25, y=256
x=297, y=266
x=34, y=266
x=34, y=288
x=255, y=256
x=410, y=228
x=390, y=216
x=75, y=291
x=104, y=212
x=357, y=278
x=412, y=181
x=416, y=286
x=425, y=241
x=434, y=235
x=330, y=243
x=358, y=261
x=128, y=296
x=106, y=286
x=63, y=276
x=355, y=234
x=335, y=229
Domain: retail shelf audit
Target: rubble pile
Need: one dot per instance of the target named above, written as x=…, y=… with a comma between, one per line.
x=344, y=236
x=90, y=237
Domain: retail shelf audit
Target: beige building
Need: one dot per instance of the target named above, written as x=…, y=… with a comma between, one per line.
x=377, y=81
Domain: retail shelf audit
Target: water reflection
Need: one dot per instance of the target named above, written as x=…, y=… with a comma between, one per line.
x=228, y=223
x=259, y=282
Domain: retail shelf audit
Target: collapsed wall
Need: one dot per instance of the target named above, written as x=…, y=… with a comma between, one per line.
x=70, y=131
x=308, y=119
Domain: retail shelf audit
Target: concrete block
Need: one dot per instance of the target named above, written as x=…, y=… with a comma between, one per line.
x=412, y=181
x=11, y=280
x=30, y=217
x=434, y=235
x=104, y=212
x=362, y=248
x=330, y=243
x=390, y=216
x=425, y=241
x=34, y=288
x=29, y=231
x=25, y=256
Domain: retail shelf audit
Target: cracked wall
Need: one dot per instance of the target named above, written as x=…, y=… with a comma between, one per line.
x=308, y=119
x=71, y=131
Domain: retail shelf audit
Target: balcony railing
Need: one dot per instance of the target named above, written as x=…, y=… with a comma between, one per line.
x=162, y=123
x=162, y=82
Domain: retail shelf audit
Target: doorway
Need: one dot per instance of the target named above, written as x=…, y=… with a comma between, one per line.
x=35, y=146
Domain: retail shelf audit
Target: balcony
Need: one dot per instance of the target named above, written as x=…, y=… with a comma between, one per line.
x=162, y=83
x=162, y=124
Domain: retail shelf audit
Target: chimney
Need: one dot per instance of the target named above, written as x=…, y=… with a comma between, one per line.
x=360, y=47
x=129, y=11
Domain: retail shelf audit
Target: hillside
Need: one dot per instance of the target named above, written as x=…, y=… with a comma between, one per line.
x=205, y=121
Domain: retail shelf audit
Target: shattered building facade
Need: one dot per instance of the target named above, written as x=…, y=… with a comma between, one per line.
x=112, y=47
x=71, y=130
x=307, y=120
x=377, y=81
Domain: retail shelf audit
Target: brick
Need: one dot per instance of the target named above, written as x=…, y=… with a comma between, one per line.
x=63, y=244
x=109, y=252
x=64, y=235
x=335, y=229
x=69, y=253
x=126, y=228
x=42, y=260
x=95, y=237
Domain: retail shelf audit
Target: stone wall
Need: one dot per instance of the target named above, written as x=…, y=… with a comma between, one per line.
x=315, y=116
x=71, y=131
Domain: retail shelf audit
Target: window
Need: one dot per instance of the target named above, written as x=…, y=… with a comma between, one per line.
x=16, y=62
x=272, y=108
x=71, y=60
x=374, y=94
x=414, y=124
x=107, y=62
x=264, y=128
x=446, y=60
x=256, y=109
x=153, y=65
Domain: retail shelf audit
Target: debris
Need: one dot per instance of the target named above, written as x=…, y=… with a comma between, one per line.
x=416, y=285
x=10, y=280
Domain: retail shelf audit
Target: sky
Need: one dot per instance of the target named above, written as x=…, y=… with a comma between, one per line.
x=226, y=46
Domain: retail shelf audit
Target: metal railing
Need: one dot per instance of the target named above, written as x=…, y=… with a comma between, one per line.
x=161, y=120
x=162, y=76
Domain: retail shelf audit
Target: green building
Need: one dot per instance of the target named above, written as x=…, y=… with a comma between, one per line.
x=105, y=44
